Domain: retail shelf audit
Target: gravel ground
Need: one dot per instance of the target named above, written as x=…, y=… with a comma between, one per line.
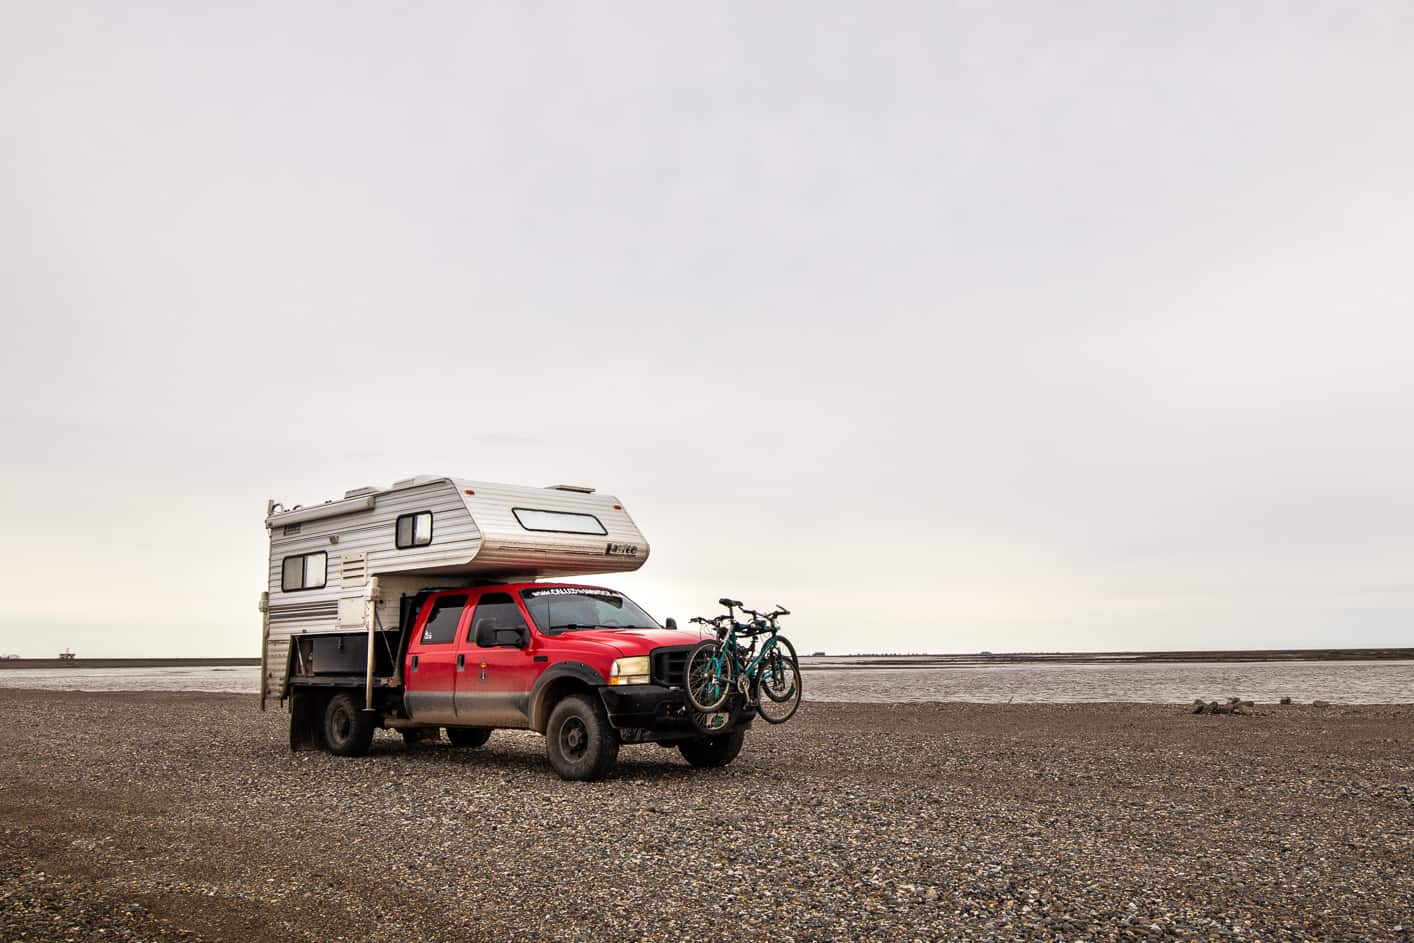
x=162, y=817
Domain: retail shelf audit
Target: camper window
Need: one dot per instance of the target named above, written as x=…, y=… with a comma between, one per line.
x=558, y=522
x=304, y=571
x=414, y=530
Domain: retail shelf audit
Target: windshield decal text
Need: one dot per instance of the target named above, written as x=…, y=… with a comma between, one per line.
x=570, y=591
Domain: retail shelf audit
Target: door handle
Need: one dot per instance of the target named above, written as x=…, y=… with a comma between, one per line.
x=461, y=662
x=414, y=662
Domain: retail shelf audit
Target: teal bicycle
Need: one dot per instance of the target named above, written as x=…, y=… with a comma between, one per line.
x=724, y=673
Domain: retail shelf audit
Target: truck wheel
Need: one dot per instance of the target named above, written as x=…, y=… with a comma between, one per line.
x=578, y=739
x=713, y=751
x=468, y=736
x=348, y=731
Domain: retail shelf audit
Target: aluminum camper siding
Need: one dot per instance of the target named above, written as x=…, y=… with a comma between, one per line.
x=358, y=543
x=475, y=537
x=510, y=552
x=370, y=533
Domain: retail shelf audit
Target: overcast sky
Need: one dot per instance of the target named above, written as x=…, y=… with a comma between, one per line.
x=952, y=326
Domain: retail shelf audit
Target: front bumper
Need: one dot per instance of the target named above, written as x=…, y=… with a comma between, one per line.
x=654, y=708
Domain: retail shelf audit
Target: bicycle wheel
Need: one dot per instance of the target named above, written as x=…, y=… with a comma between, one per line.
x=777, y=686
x=707, y=676
x=777, y=681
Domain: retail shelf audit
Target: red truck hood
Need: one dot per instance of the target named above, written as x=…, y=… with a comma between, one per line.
x=634, y=641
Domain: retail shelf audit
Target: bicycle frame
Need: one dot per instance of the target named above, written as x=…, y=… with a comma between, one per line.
x=731, y=648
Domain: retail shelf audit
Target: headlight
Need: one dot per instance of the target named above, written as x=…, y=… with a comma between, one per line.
x=629, y=670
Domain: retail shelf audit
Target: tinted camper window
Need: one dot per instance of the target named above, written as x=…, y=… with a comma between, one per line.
x=558, y=522
x=304, y=571
x=414, y=530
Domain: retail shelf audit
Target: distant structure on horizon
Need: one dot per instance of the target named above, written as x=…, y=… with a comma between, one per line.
x=67, y=655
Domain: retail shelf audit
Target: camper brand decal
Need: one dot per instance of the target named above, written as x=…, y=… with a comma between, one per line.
x=621, y=550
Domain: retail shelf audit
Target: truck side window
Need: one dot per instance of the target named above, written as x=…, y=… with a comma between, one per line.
x=441, y=625
x=495, y=611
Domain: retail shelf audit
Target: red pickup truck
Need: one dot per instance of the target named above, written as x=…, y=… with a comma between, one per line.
x=582, y=665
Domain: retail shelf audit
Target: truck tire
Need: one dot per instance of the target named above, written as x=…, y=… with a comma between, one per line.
x=713, y=751
x=348, y=731
x=468, y=736
x=579, y=742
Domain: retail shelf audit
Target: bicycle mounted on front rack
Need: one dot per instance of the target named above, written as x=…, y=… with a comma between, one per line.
x=722, y=674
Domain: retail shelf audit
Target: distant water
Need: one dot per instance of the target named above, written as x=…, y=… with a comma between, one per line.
x=237, y=679
x=1340, y=682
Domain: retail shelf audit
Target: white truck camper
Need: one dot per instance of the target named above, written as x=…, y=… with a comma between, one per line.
x=344, y=573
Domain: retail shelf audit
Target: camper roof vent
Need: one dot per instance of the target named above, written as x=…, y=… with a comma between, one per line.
x=577, y=489
x=356, y=492
x=417, y=480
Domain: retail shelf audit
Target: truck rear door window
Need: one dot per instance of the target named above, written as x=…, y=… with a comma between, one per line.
x=558, y=522
x=441, y=625
x=414, y=530
x=304, y=571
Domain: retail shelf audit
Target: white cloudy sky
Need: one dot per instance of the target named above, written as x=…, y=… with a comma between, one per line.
x=950, y=325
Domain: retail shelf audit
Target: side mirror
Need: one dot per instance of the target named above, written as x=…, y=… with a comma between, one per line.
x=512, y=638
x=672, y=624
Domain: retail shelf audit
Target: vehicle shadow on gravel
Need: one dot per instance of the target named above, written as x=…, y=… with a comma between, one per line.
x=634, y=761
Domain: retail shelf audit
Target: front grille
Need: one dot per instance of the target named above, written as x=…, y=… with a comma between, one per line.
x=668, y=665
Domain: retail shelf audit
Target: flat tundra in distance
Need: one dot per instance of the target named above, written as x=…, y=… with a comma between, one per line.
x=430, y=604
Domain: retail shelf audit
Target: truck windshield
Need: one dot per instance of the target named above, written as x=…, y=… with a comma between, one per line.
x=557, y=609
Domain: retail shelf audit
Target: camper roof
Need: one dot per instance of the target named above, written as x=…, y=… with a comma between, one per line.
x=361, y=499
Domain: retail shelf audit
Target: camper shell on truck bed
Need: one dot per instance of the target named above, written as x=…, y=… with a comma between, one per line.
x=350, y=568
x=431, y=606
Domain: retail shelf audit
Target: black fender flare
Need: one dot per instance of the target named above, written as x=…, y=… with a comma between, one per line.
x=575, y=671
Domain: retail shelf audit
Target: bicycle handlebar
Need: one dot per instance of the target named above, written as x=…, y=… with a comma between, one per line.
x=757, y=623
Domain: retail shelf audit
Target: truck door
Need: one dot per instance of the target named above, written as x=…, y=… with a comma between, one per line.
x=499, y=666
x=431, y=661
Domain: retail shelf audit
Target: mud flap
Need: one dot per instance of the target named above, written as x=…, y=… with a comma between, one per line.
x=306, y=721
